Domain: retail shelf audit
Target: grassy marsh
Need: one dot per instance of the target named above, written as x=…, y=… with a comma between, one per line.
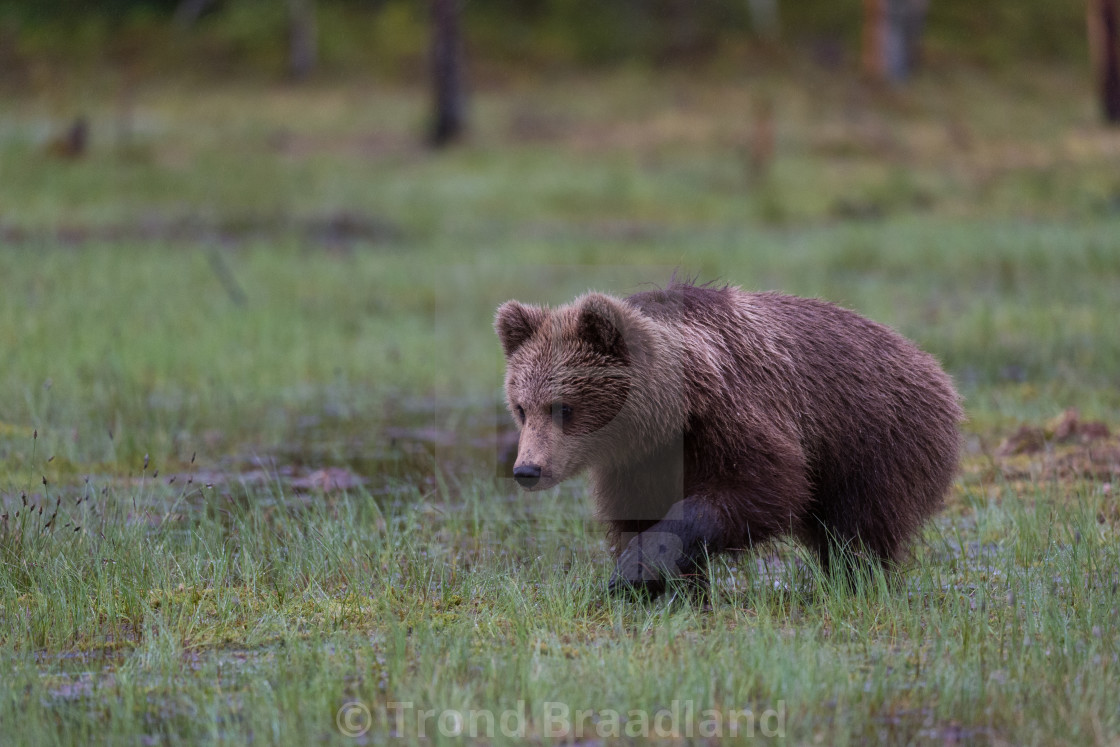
x=266, y=284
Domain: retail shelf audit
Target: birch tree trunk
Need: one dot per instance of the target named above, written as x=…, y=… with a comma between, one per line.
x=892, y=31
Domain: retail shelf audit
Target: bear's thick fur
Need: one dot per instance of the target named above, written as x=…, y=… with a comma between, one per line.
x=712, y=419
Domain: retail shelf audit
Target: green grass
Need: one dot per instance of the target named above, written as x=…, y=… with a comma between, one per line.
x=224, y=618
x=269, y=282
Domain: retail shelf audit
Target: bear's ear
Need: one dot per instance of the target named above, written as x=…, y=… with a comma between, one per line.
x=515, y=323
x=602, y=324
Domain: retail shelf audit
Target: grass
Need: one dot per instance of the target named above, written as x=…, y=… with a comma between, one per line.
x=202, y=616
x=264, y=292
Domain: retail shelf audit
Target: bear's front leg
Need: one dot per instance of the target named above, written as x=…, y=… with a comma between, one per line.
x=676, y=546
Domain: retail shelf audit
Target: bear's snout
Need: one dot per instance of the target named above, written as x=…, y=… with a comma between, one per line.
x=527, y=475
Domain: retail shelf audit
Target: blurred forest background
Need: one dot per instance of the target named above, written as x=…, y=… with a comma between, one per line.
x=389, y=36
x=390, y=39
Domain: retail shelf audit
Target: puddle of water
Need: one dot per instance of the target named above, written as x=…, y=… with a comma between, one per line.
x=333, y=230
x=410, y=450
x=414, y=445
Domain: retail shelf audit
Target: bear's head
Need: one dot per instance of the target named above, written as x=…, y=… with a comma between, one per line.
x=573, y=383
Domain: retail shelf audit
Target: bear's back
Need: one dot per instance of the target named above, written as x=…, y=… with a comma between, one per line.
x=833, y=380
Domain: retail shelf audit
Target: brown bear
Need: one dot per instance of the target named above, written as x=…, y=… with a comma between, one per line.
x=713, y=419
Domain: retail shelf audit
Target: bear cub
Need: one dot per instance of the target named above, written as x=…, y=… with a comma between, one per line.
x=712, y=419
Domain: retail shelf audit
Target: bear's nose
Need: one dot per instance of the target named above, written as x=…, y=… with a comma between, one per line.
x=527, y=475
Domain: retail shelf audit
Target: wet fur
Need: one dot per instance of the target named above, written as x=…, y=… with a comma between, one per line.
x=721, y=419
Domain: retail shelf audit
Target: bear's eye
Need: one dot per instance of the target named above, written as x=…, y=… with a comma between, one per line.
x=520, y=413
x=561, y=414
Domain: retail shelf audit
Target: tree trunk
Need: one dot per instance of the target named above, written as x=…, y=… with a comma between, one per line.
x=764, y=18
x=188, y=11
x=892, y=31
x=302, y=48
x=1104, y=46
x=447, y=74
x=871, y=45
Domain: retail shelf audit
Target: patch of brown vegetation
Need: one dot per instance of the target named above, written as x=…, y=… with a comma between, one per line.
x=1064, y=448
